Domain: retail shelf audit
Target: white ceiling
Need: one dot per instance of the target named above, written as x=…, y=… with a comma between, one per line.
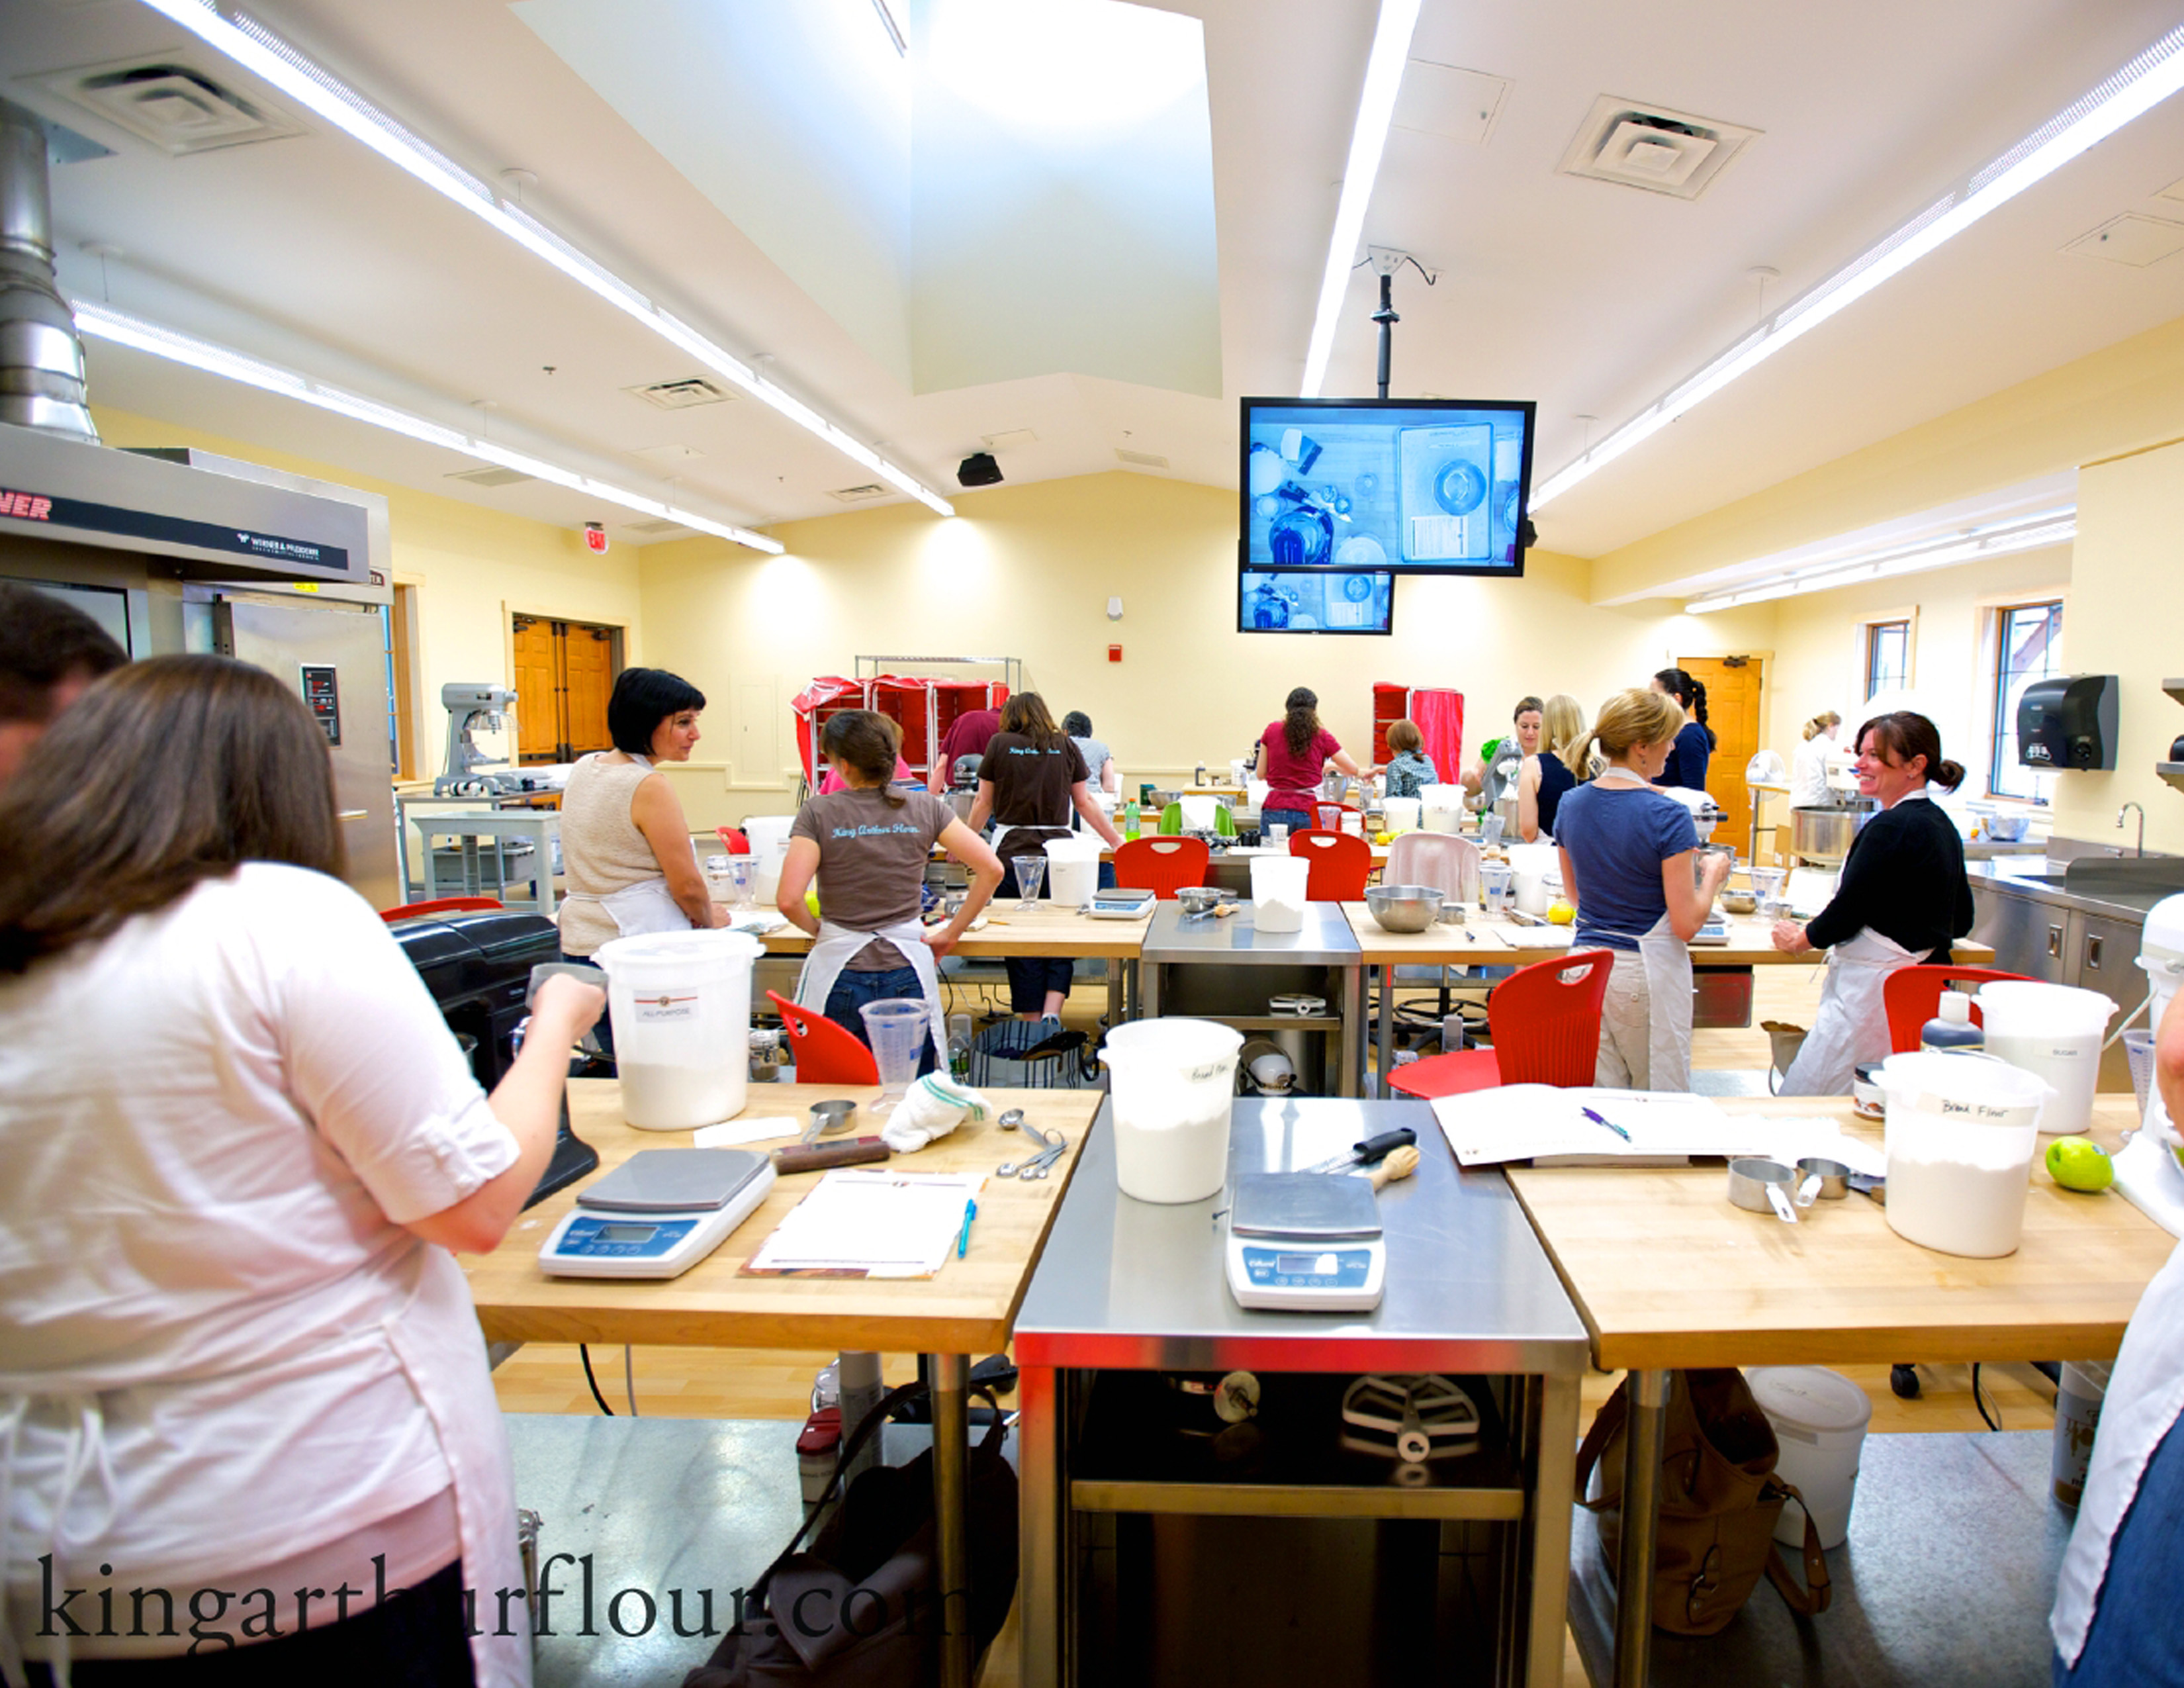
x=1591, y=299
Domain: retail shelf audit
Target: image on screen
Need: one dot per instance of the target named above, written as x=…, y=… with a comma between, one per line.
x=1323, y=602
x=1414, y=486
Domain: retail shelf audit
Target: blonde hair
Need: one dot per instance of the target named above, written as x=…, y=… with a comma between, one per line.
x=1565, y=725
x=1403, y=735
x=1825, y=721
x=1636, y=716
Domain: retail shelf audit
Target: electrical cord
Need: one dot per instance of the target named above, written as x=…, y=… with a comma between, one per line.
x=584, y=1354
x=1994, y=1423
x=629, y=1377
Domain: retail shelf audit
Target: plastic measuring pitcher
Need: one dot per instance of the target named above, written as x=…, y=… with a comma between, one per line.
x=680, y=1006
x=1072, y=869
x=1494, y=879
x=1961, y=1131
x=1031, y=870
x=895, y=1027
x=1171, y=1083
x=2053, y=1031
x=1278, y=887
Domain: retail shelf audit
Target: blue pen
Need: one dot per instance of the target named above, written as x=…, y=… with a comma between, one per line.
x=1598, y=1119
x=963, y=1241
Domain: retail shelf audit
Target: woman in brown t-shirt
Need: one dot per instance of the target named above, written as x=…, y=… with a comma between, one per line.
x=869, y=844
x=1030, y=780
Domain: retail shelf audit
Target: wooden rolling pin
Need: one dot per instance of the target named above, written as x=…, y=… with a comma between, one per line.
x=848, y=1151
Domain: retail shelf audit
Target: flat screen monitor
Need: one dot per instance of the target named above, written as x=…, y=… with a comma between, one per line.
x=1417, y=486
x=1326, y=601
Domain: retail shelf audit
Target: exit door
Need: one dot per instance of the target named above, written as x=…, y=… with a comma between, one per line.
x=1733, y=685
x=564, y=672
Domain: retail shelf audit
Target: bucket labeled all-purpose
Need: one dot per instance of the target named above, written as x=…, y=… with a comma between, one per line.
x=1171, y=1083
x=680, y=1006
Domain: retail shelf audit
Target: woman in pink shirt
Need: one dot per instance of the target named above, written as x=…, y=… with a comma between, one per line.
x=1292, y=752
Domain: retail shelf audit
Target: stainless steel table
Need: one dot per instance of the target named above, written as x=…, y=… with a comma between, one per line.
x=1125, y=1290
x=1226, y=969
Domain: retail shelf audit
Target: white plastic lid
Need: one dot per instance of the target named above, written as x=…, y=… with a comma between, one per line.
x=1810, y=1397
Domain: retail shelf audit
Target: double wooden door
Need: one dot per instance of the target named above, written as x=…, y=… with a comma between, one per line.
x=1734, y=685
x=564, y=672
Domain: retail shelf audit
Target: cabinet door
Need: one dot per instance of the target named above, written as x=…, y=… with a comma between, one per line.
x=2029, y=937
x=2104, y=956
x=589, y=665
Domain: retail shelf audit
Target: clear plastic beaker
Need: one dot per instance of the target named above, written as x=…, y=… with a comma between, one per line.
x=1031, y=873
x=1494, y=880
x=895, y=1027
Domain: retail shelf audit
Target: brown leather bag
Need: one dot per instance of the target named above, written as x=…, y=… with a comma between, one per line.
x=1719, y=1500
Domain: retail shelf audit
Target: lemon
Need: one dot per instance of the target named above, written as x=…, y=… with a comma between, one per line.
x=1562, y=914
x=2080, y=1163
x=1383, y=838
x=812, y=901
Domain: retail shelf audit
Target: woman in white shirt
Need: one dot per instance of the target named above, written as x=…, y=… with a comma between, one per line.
x=236, y=1358
x=1808, y=763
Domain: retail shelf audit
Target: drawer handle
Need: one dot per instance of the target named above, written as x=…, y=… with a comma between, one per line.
x=352, y=815
x=2055, y=942
x=2092, y=952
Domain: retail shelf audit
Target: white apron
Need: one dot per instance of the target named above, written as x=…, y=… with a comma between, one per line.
x=1852, y=1025
x=839, y=945
x=1666, y=961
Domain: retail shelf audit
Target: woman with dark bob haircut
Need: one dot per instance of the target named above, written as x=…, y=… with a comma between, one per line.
x=235, y=1352
x=1903, y=897
x=625, y=845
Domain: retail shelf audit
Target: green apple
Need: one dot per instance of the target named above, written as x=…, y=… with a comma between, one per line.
x=2080, y=1163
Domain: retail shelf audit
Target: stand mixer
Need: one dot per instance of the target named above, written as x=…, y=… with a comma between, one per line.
x=468, y=769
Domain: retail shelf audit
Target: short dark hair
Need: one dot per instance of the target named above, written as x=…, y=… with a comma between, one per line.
x=642, y=699
x=43, y=641
x=1076, y=724
x=172, y=772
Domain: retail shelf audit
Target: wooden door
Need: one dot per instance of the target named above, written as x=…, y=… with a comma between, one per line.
x=1733, y=685
x=538, y=691
x=588, y=679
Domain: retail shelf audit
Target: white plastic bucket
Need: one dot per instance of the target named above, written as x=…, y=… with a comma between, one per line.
x=1441, y=807
x=1278, y=884
x=765, y=831
x=1171, y=1083
x=1532, y=863
x=2053, y=1031
x=765, y=884
x=1820, y=1418
x=1072, y=869
x=1403, y=813
x=1961, y=1131
x=680, y=1006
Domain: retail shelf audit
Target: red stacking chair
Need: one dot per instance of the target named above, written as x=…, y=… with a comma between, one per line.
x=825, y=1054
x=1913, y=995
x=439, y=905
x=732, y=841
x=1339, y=863
x=1545, y=1022
x=1166, y=863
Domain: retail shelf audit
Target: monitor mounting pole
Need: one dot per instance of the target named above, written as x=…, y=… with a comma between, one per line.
x=1385, y=260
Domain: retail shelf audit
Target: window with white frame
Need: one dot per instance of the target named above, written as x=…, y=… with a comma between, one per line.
x=2027, y=646
x=1887, y=657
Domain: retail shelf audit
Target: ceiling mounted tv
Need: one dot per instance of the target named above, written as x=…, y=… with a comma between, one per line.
x=1324, y=601
x=1414, y=486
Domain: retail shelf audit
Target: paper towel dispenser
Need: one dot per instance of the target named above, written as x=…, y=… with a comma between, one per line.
x=2067, y=722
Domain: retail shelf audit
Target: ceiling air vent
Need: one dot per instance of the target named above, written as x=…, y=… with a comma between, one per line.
x=171, y=103
x=1140, y=459
x=492, y=476
x=1650, y=146
x=680, y=395
x=858, y=495
x=2131, y=239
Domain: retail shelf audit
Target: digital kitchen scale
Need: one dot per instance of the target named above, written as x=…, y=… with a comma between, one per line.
x=1122, y=903
x=658, y=1214
x=1714, y=930
x=1306, y=1242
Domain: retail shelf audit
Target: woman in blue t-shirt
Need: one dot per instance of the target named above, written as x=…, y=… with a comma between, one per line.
x=1627, y=863
x=1687, y=765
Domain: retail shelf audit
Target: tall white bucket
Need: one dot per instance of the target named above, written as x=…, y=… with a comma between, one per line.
x=2053, y=1031
x=1072, y=869
x=1961, y=1134
x=1171, y=1083
x=1403, y=813
x=680, y=1006
x=1441, y=808
x=1277, y=886
x=1820, y=1418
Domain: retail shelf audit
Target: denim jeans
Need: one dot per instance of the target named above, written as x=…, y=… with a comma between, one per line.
x=1294, y=819
x=853, y=989
x=1032, y=977
x=2136, y=1640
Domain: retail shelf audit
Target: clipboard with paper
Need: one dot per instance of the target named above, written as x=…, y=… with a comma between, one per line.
x=856, y=1222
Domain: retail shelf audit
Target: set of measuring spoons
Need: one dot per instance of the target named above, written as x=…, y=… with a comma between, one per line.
x=1049, y=1150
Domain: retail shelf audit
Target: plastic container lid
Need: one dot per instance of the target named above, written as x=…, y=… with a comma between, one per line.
x=1960, y=1076
x=1810, y=1397
x=2064, y=1011
x=1955, y=1007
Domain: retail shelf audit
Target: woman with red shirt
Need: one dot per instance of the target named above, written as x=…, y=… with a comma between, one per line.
x=1292, y=752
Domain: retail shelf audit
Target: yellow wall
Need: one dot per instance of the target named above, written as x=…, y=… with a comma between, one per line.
x=1027, y=572
x=473, y=565
x=2127, y=619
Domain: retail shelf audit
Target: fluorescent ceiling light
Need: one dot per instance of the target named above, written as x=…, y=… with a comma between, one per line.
x=257, y=50
x=1376, y=106
x=103, y=324
x=2135, y=89
x=2030, y=533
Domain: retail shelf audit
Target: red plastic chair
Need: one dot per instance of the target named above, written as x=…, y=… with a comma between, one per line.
x=1340, y=864
x=438, y=906
x=1545, y=1022
x=1913, y=995
x=825, y=1053
x=1166, y=863
x=732, y=841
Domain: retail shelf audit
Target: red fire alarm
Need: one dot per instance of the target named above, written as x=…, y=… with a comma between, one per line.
x=1114, y=653
x=595, y=537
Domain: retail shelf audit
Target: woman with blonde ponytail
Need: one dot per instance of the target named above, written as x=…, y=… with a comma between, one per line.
x=1627, y=859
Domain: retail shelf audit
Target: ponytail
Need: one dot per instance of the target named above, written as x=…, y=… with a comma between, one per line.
x=1948, y=776
x=1679, y=684
x=1699, y=711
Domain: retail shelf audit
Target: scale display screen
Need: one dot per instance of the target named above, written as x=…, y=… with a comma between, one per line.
x=626, y=1233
